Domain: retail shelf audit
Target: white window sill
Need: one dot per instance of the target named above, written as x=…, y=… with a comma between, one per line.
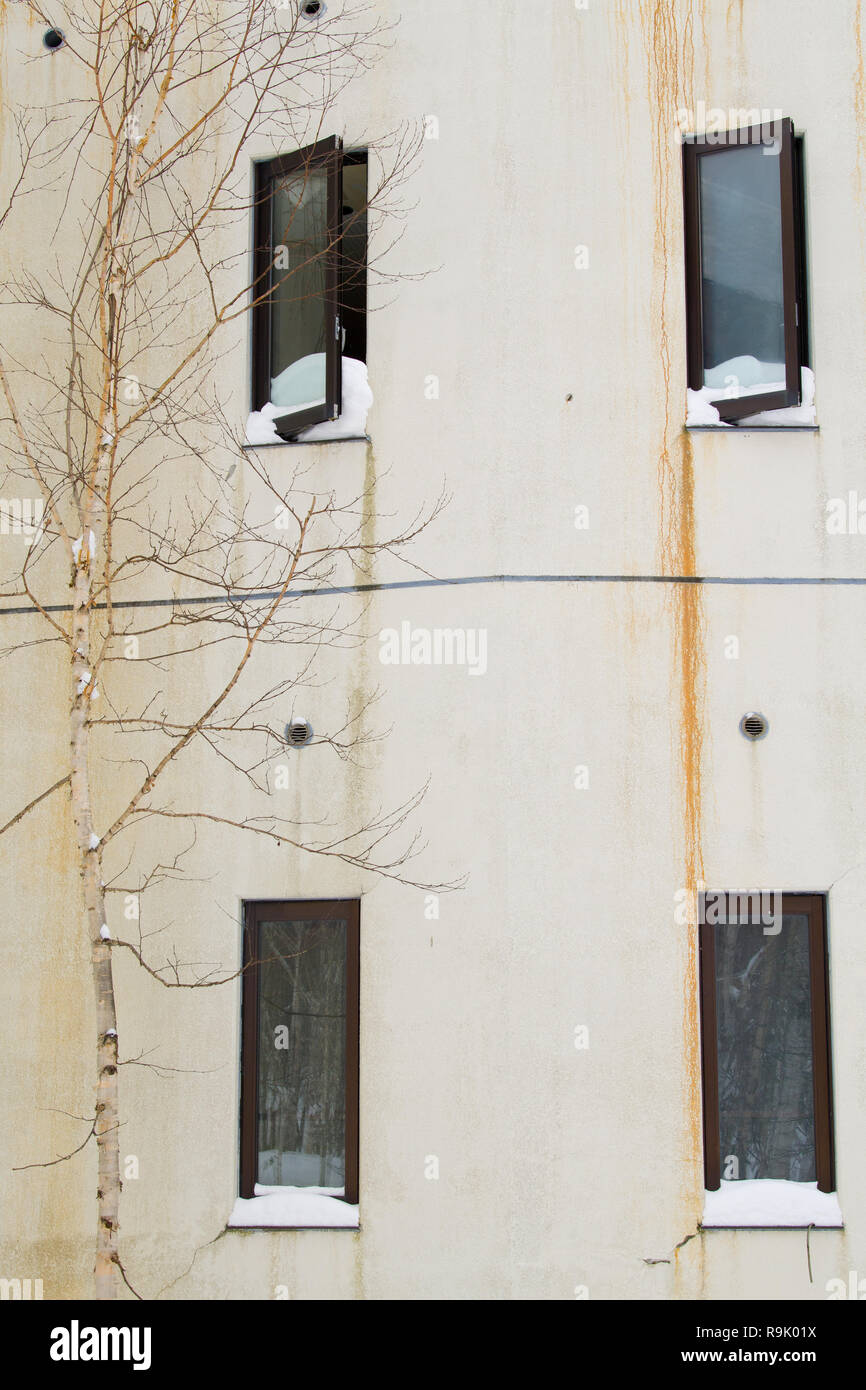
x=770, y=1202
x=752, y=429
x=294, y=1208
x=301, y=443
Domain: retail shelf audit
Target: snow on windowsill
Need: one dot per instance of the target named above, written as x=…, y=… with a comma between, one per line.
x=753, y=378
x=351, y=423
x=770, y=1202
x=294, y=1206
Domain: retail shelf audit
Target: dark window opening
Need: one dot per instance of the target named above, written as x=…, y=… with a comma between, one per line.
x=310, y=281
x=766, y=1042
x=746, y=267
x=353, y=282
x=299, y=1074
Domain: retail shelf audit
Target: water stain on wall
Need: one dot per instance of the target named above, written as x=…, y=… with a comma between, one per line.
x=859, y=102
x=668, y=38
x=362, y=573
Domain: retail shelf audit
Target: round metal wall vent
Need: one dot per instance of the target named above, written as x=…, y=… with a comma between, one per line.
x=754, y=726
x=53, y=39
x=312, y=9
x=298, y=732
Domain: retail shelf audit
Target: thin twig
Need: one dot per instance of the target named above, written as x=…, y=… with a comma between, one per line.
x=35, y=802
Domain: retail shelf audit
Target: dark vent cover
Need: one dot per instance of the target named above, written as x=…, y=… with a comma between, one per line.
x=298, y=733
x=753, y=726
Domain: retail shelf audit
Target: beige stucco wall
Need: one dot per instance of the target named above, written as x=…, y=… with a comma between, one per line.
x=559, y=1168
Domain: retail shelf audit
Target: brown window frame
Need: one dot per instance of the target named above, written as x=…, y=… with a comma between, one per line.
x=294, y=911
x=814, y=906
x=327, y=155
x=793, y=261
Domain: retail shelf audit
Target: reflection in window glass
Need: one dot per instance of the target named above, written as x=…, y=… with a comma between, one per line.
x=302, y=1055
x=763, y=1000
x=741, y=259
x=298, y=306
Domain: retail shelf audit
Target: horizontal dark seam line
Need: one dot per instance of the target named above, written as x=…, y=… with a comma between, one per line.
x=268, y=595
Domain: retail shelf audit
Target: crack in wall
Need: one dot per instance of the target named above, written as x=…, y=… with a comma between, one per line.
x=675, y=1252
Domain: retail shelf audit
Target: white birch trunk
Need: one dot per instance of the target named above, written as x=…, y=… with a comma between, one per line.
x=106, y=1127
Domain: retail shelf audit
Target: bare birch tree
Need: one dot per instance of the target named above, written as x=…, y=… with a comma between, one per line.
x=117, y=414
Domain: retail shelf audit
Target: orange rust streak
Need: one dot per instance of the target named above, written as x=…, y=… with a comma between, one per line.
x=859, y=99
x=689, y=627
x=705, y=43
x=622, y=20
x=738, y=20
x=670, y=61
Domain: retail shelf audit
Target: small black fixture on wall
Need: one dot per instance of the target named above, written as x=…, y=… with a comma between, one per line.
x=754, y=726
x=298, y=733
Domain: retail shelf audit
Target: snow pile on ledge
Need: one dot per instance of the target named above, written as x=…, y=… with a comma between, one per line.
x=293, y=1206
x=78, y=544
x=754, y=378
x=302, y=376
x=260, y=429
x=700, y=410
x=770, y=1202
x=802, y=414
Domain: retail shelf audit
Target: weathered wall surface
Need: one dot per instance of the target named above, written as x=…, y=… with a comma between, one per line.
x=558, y=387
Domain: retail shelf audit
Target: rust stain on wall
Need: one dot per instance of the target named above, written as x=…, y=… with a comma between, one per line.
x=668, y=34
x=734, y=25
x=364, y=570
x=3, y=51
x=622, y=21
x=362, y=688
x=705, y=44
x=859, y=102
x=734, y=17
x=687, y=601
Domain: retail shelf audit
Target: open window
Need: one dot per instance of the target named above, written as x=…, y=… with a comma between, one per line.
x=766, y=1039
x=299, y=1075
x=745, y=268
x=309, y=282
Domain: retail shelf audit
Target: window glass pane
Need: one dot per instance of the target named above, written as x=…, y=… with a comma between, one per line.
x=763, y=999
x=298, y=308
x=741, y=267
x=302, y=1055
